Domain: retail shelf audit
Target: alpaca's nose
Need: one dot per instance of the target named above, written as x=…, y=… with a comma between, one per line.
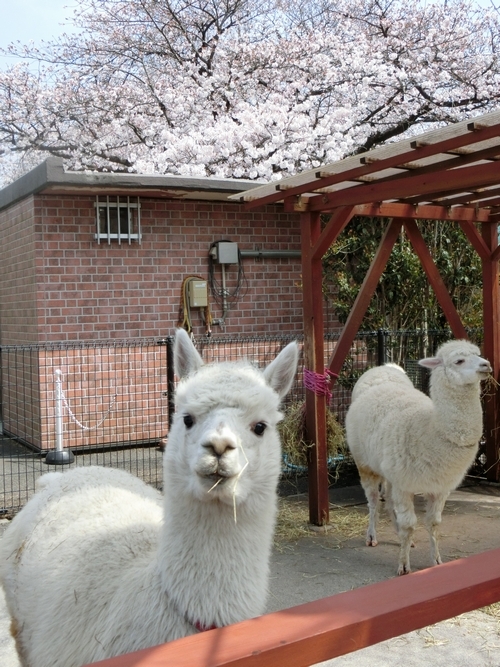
x=219, y=446
x=485, y=367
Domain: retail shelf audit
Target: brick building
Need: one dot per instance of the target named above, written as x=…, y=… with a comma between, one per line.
x=108, y=256
x=58, y=281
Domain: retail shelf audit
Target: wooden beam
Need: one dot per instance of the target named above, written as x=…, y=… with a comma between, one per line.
x=337, y=625
x=475, y=238
x=422, y=211
x=491, y=350
x=455, y=180
x=314, y=361
x=365, y=294
x=337, y=223
x=437, y=284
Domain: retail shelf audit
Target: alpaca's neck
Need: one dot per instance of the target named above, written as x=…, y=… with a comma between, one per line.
x=457, y=412
x=215, y=570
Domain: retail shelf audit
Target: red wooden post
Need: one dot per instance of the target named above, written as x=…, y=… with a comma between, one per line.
x=312, y=278
x=491, y=314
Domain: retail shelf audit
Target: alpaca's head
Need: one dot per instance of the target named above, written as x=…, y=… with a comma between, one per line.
x=459, y=363
x=223, y=445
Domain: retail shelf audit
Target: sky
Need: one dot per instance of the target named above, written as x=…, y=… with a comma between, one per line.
x=27, y=20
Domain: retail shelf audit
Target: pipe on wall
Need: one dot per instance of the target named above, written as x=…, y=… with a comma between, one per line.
x=271, y=254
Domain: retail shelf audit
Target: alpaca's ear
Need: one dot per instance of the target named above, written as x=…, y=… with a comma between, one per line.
x=280, y=373
x=186, y=358
x=431, y=362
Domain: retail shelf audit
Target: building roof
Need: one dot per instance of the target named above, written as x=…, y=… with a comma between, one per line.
x=456, y=168
x=50, y=177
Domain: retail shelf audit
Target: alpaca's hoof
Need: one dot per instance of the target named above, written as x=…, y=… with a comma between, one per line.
x=403, y=569
x=371, y=541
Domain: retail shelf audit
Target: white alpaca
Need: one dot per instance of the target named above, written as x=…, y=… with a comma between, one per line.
x=404, y=442
x=98, y=564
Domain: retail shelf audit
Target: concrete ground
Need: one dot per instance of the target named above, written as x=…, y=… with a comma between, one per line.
x=322, y=565
x=318, y=565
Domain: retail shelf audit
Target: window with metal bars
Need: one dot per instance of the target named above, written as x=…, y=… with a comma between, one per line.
x=118, y=219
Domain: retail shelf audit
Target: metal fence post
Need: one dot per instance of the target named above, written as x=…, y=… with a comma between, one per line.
x=381, y=347
x=170, y=380
x=169, y=345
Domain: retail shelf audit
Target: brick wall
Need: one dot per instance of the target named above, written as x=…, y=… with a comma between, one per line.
x=18, y=273
x=95, y=291
x=113, y=393
x=21, y=404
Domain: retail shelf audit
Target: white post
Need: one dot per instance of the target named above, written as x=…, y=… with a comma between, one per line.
x=59, y=455
x=59, y=411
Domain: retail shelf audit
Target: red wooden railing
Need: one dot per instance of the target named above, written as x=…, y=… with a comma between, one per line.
x=317, y=631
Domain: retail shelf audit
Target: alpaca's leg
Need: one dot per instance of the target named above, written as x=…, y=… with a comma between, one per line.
x=371, y=483
x=434, y=507
x=389, y=506
x=406, y=521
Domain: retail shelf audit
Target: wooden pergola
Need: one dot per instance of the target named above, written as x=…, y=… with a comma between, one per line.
x=452, y=173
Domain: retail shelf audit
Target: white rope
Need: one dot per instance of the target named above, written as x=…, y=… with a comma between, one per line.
x=82, y=426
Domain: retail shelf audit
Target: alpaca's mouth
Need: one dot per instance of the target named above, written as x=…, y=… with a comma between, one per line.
x=214, y=482
x=216, y=478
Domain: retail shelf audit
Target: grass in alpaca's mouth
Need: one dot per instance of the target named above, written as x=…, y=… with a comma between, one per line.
x=216, y=479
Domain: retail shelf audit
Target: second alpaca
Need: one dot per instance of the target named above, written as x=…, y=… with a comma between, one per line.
x=407, y=443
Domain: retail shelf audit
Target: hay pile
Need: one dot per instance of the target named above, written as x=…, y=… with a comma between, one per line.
x=293, y=522
x=295, y=447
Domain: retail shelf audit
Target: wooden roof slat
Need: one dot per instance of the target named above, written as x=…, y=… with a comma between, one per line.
x=412, y=186
x=433, y=143
x=495, y=201
x=447, y=198
x=488, y=154
x=476, y=197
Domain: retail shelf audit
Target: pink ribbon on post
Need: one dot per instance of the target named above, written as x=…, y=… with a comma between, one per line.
x=319, y=383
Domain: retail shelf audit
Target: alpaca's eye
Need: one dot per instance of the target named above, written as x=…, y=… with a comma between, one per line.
x=259, y=428
x=458, y=362
x=188, y=421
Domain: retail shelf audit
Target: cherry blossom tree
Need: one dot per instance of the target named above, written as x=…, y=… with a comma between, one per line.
x=253, y=89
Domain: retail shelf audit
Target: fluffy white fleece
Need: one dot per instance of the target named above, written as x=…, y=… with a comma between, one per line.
x=404, y=442
x=98, y=564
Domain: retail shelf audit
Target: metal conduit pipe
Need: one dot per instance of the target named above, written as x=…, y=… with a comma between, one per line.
x=270, y=254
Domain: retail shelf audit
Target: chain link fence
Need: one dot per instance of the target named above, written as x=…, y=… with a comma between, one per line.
x=117, y=397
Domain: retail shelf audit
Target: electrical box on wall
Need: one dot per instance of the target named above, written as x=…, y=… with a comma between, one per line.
x=225, y=252
x=198, y=293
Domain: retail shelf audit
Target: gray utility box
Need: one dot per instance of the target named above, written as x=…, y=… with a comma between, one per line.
x=226, y=252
